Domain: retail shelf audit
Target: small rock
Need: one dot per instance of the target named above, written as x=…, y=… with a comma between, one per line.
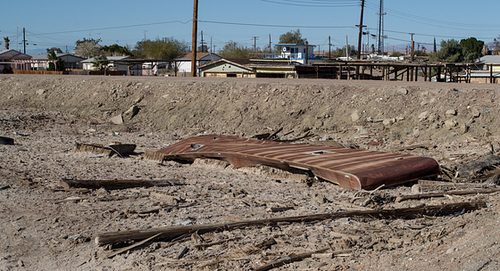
x=403, y=91
x=388, y=122
x=131, y=112
x=416, y=132
x=117, y=119
x=464, y=128
x=41, y=91
x=450, y=123
x=20, y=263
x=355, y=116
x=423, y=116
x=475, y=113
x=450, y=250
x=451, y=112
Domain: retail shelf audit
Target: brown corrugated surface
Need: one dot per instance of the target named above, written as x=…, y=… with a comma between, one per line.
x=350, y=168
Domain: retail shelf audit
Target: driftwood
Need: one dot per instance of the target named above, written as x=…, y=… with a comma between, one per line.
x=443, y=194
x=176, y=231
x=117, y=184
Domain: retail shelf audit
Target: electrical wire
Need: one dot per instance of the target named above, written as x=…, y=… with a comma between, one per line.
x=316, y=3
x=279, y=26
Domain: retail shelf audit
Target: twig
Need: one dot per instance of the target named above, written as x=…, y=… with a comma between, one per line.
x=119, y=251
x=444, y=194
x=290, y=259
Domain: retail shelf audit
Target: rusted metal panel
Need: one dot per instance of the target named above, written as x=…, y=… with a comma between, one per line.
x=349, y=168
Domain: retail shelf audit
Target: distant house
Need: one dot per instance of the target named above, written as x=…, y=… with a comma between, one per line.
x=294, y=52
x=227, y=68
x=41, y=61
x=113, y=65
x=11, y=60
x=249, y=68
x=489, y=60
x=71, y=61
x=487, y=70
x=183, y=62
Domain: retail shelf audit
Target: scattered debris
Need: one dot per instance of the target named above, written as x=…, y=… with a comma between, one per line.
x=6, y=140
x=350, y=168
x=118, y=148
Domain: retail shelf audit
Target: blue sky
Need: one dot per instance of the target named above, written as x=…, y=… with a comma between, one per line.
x=56, y=23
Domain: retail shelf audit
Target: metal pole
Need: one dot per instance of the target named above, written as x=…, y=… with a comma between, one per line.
x=360, y=36
x=194, y=41
x=24, y=39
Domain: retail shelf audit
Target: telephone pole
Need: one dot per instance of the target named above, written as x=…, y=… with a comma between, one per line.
x=270, y=44
x=412, y=47
x=255, y=38
x=24, y=39
x=194, y=41
x=329, y=47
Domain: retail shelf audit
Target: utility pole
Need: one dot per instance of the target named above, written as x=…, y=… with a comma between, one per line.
x=346, y=49
x=202, y=43
x=412, y=47
x=380, y=30
x=270, y=44
x=360, y=36
x=329, y=47
x=24, y=39
x=255, y=38
x=194, y=41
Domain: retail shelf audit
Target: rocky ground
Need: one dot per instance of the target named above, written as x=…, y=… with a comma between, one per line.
x=48, y=226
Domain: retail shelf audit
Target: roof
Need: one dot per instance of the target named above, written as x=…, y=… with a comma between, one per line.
x=14, y=55
x=241, y=63
x=490, y=59
x=199, y=56
x=110, y=58
x=293, y=44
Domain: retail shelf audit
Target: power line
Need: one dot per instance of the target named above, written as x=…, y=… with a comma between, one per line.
x=315, y=3
x=114, y=27
x=276, y=25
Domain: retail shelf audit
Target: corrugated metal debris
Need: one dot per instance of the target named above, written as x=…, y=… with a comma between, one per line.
x=349, y=168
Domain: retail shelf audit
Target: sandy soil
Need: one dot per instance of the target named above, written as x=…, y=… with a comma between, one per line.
x=46, y=226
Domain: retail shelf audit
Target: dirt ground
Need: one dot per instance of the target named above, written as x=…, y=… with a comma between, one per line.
x=47, y=226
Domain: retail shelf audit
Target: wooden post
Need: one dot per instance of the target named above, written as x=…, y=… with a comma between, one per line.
x=491, y=73
x=195, y=39
x=416, y=74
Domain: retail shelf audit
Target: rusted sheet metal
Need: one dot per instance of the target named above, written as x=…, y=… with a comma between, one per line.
x=349, y=168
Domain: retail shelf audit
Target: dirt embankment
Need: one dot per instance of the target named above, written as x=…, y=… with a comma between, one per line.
x=330, y=108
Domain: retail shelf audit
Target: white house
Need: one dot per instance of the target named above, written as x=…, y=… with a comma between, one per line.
x=183, y=62
x=295, y=52
x=88, y=64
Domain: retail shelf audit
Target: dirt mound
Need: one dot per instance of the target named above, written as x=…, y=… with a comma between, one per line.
x=244, y=107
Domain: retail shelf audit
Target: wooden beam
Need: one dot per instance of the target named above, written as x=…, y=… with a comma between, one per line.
x=172, y=232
